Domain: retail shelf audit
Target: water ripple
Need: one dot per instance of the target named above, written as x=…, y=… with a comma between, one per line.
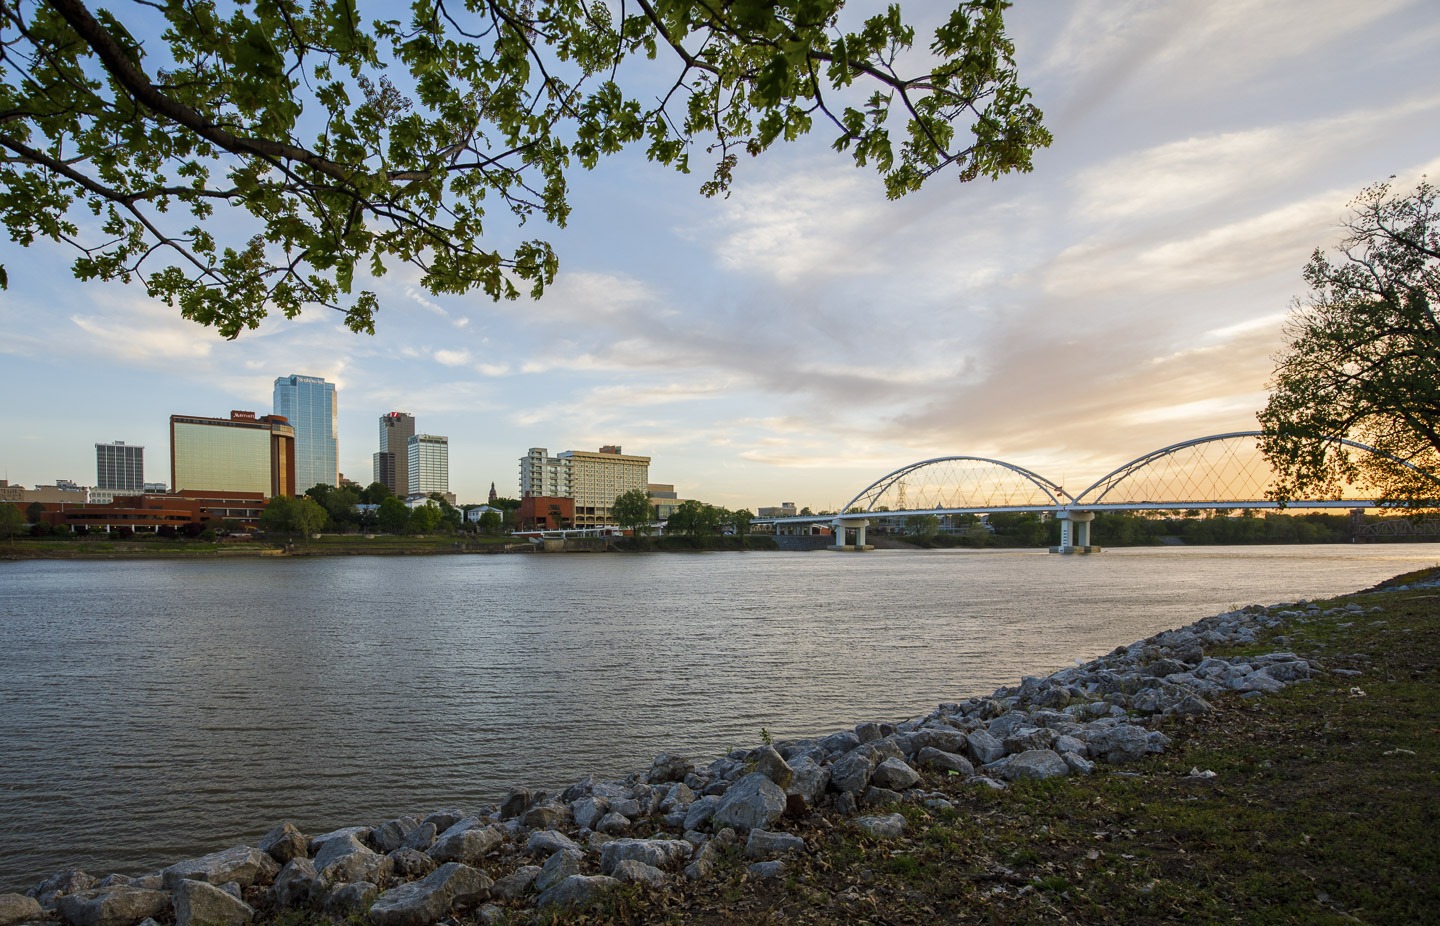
x=151, y=710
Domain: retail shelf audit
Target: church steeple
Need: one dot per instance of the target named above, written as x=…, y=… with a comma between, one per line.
x=493, y=496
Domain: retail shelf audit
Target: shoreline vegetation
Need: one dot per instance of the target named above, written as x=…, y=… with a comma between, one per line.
x=1273, y=764
x=1014, y=532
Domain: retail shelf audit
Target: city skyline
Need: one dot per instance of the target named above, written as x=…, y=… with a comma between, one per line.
x=804, y=336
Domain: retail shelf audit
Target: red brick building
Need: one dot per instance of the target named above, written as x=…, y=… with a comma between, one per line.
x=148, y=513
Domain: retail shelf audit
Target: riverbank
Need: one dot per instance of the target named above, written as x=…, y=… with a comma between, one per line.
x=1085, y=847
x=84, y=548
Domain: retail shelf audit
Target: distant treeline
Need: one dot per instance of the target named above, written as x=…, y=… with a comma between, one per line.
x=1116, y=529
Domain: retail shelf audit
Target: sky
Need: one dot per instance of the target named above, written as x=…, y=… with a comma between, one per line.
x=805, y=336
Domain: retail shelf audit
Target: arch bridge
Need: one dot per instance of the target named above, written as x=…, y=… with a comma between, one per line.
x=1220, y=471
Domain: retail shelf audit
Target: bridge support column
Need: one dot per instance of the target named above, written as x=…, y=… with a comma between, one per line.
x=858, y=527
x=1075, y=532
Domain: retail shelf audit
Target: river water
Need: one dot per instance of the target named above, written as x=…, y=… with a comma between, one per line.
x=151, y=711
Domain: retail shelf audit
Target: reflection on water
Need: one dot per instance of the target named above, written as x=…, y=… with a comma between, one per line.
x=156, y=710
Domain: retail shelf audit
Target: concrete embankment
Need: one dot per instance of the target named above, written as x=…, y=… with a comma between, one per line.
x=675, y=824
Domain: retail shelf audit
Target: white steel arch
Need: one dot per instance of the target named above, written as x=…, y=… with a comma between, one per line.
x=1223, y=469
x=956, y=483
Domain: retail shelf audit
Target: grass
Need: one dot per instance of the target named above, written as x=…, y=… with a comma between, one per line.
x=325, y=545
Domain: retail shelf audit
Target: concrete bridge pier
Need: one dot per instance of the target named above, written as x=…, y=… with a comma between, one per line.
x=1075, y=532
x=858, y=527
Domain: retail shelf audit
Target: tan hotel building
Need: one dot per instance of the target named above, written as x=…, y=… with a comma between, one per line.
x=242, y=453
x=593, y=480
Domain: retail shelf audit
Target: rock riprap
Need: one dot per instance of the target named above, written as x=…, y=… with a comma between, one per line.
x=564, y=850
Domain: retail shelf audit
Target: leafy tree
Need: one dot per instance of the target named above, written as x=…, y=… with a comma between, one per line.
x=491, y=522
x=922, y=526
x=12, y=521
x=632, y=511
x=425, y=519
x=740, y=520
x=510, y=512
x=375, y=493
x=340, y=507
x=392, y=516
x=450, y=516
x=33, y=512
x=320, y=492
x=1363, y=362
x=695, y=519
x=1024, y=529
x=288, y=515
x=342, y=147
x=505, y=504
x=338, y=504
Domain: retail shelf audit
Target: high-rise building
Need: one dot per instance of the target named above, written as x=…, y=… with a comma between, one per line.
x=241, y=453
x=597, y=479
x=120, y=467
x=592, y=480
x=310, y=405
x=544, y=476
x=428, y=462
x=392, y=463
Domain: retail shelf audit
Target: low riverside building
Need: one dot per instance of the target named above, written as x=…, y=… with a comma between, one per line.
x=546, y=513
x=64, y=492
x=148, y=513
x=663, y=499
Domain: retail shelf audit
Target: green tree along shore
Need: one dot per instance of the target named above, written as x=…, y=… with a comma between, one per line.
x=1117, y=529
x=1011, y=531
x=1363, y=362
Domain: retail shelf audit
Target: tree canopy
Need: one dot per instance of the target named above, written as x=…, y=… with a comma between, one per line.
x=632, y=511
x=1363, y=362
x=12, y=521
x=336, y=141
x=285, y=514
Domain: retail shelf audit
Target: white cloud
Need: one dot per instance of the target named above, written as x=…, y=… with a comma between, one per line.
x=141, y=332
x=799, y=224
x=1226, y=408
x=1218, y=168
x=1108, y=45
x=452, y=358
x=419, y=298
x=1275, y=241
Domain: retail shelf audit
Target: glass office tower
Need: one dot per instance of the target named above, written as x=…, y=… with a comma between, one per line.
x=309, y=404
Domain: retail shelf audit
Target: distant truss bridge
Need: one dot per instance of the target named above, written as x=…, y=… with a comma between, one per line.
x=1222, y=471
